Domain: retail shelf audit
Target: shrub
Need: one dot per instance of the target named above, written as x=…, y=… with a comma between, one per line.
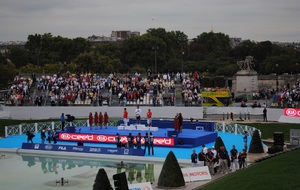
x=102, y=181
x=256, y=144
x=171, y=174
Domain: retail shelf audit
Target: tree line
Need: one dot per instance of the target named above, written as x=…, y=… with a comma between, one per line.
x=209, y=53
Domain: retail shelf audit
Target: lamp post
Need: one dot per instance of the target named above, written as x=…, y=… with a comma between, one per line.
x=297, y=72
x=182, y=62
x=155, y=59
x=276, y=77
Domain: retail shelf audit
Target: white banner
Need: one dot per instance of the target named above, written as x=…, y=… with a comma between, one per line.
x=140, y=186
x=196, y=174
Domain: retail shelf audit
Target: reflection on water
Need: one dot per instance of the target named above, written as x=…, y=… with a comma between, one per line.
x=136, y=172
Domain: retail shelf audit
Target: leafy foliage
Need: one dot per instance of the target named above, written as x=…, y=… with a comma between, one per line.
x=171, y=174
x=219, y=142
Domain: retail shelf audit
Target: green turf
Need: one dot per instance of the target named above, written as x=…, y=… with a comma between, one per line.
x=280, y=172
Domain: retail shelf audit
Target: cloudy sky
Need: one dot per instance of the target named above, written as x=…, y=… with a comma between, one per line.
x=259, y=20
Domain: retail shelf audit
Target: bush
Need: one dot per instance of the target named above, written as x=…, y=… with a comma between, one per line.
x=219, y=142
x=102, y=181
x=256, y=144
x=171, y=174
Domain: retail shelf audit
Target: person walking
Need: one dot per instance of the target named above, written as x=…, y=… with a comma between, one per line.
x=106, y=118
x=138, y=113
x=234, y=158
x=194, y=157
x=176, y=122
x=125, y=117
x=149, y=118
x=63, y=121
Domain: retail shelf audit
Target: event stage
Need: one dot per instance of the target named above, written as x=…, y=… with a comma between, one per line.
x=190, y=137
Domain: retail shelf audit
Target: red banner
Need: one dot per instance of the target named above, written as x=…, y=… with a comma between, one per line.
x=110, y=139
x=293, y=112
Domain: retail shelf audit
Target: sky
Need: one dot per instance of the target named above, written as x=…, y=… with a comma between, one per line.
x=258, y=20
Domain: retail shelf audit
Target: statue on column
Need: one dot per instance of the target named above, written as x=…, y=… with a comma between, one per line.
x=246, y=64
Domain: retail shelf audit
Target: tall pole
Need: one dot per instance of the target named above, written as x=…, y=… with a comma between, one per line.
x=155, y=59
x=182, y=62
x=276, y=77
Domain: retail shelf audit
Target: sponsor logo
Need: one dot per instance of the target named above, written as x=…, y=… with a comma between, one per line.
x=199, y=173
x=95, y=150
x=292, y=112
x=126, y=151
x=48, y=147
x=62, y=148
x=112, y=151
x=102, y=138
x=78, y=149
x=86, y=137
x=36, y=146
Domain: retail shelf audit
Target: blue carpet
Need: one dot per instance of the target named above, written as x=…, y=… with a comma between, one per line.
x=160, y=152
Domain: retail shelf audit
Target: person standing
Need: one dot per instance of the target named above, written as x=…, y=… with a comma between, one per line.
x=180, y=122
x=138, y=113
x=146, y=143
x=204, y=151
x=96, y=120
x=245, y=139
x=265, y=114
x=50, y=135
x=118, y=140
x=242, y=159
x=43, y=135
x=151, y=144
x=194, y=157
x=234, y=158
x=63, y=121
x=91, y=120
x=210, y=161
x=138, y=139
x=106, y=120
x=125, y=117
x=30, y=136
x=223, y=157
x=130, y=141
x=100, y=119
x=54, y=136
x=176, y=123
x=149, y=118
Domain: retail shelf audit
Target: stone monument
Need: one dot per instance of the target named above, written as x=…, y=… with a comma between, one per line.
x=246, y=77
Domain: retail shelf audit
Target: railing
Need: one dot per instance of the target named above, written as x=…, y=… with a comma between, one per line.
x=37, y=127
x=235, y=128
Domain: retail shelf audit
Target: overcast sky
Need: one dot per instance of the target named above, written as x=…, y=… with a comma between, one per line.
x=259, y=20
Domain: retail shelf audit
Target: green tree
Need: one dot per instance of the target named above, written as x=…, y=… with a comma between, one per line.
x=256, y=144
x=102, y=181
x=18, y=55
x=171, y=174
x=7, y=73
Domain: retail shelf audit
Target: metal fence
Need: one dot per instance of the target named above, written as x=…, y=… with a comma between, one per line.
x=234, y=128
x=37, y=127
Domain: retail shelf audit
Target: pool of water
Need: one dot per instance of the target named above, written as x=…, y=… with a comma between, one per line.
x=35, y=172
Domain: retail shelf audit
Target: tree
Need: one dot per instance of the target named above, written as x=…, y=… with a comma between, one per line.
x=219, y=142
x=171, y=174
x=256, y=144
x=102, y=181
x=7, y=73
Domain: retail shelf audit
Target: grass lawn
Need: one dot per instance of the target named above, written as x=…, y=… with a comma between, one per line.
x=267, y=129
x=279, y=172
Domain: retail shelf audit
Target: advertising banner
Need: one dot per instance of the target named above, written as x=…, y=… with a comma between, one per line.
x=196, y=174
x=140, y=186
x=292, y=112
x=158, y=141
